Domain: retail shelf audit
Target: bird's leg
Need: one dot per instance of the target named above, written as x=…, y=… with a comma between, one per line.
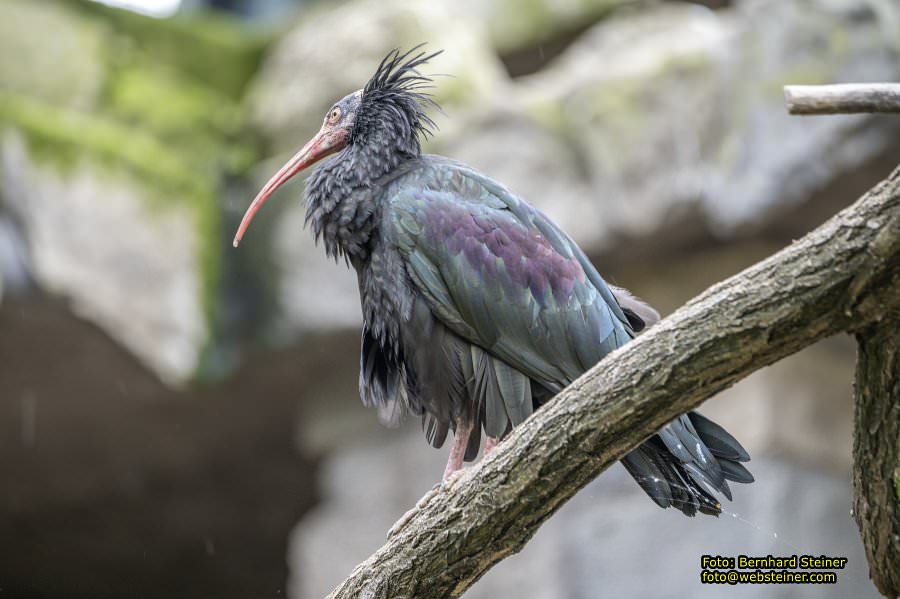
x=490, y=444
x=408, y=515
x=453, y=469
x=458, y=451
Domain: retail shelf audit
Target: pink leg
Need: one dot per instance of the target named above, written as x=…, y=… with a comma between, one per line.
x=454, y=464
x=458, y=451
x=489, y=445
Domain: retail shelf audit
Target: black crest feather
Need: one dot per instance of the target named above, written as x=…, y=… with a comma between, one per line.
x=397, y=96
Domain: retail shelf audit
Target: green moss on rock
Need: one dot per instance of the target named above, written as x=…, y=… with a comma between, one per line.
x=196, y=121
x=145, y=100
x=63, y=139
x=515, y=24
x=51, y=53
x=170, y=105
x=211, y=48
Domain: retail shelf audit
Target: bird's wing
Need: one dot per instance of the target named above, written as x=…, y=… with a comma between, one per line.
x=500, y=274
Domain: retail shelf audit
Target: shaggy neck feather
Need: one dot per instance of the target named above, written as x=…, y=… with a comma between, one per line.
x=341, y=207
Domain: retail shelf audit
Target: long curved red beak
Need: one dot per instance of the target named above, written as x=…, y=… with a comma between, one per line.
x=320, y=146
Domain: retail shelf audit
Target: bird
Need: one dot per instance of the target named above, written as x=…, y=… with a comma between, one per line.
x=477, y=308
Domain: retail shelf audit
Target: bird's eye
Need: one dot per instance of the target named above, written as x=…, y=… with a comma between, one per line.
x=334, y=115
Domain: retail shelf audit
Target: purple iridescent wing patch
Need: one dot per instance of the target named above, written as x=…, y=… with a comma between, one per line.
x=500, y=274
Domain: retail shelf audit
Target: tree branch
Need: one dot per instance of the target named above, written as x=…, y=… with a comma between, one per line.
x=843, y=276
x=846, y=98
x=876, y=452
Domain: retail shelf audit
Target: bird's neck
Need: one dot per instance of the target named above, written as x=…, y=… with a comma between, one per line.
x=343, y=198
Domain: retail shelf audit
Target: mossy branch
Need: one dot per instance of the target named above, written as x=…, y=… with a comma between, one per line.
x=841, y=277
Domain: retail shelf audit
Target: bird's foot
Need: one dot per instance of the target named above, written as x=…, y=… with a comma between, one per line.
x=448, y=481
x=451, y=474
x=489, y=445
x=411, y=513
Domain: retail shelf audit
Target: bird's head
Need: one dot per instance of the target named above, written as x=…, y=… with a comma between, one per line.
x=388, y=113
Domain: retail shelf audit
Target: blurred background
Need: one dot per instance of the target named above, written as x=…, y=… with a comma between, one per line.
x=180, y=419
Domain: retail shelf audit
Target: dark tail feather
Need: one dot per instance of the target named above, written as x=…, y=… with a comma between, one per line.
x=687, y=464
x=474, y=443
x=725, y=447
x=717, y=439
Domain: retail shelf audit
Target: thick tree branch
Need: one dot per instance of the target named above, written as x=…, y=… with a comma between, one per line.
x=843, y=276
x=876, y=452
x=845, y=98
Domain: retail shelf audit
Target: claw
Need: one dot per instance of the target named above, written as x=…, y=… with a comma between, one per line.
x=451, y=479
x=411, y=513
x=458, y=451
x=451, y=474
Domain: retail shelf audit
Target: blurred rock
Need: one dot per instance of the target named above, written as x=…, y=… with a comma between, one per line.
x=66, y=68
x=111, y=157
x=536, y=162
x=675, y=121
x=133, y=266
x=513, y=25
x=13, y=257
x=305, y=74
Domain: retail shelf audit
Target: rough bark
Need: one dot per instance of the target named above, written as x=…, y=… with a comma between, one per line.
x=876, y=451
x=841, y=277
x=845, y=98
